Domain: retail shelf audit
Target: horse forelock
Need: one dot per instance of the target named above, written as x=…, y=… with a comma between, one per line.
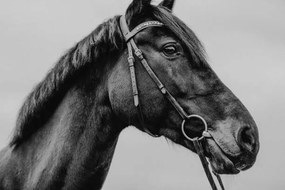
x=45, y=97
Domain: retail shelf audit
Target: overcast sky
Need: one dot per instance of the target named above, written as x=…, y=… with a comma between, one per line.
x=245, y=42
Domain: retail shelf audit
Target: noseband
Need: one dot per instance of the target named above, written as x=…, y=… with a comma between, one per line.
x=132, y=47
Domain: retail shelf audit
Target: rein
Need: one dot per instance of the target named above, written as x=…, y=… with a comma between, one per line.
x=132, y=47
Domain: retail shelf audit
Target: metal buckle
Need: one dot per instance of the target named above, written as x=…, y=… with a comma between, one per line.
x=204, y=134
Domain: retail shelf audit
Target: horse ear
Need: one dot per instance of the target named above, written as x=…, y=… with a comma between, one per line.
x=137, y=6
x=167, y=4
x=135, y=10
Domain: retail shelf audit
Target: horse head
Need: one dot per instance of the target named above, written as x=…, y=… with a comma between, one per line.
x=177, y=58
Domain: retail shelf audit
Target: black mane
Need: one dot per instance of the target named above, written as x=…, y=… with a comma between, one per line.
x=44, y=99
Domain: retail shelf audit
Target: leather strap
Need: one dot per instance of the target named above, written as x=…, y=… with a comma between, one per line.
x=205, y=164
x=158, y=83
x=129, y=35
x=129, y=39
x=131, y=60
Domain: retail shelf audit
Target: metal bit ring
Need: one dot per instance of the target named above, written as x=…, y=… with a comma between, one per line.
x=205, y=133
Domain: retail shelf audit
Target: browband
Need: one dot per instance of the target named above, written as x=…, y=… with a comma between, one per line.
x=130, y=34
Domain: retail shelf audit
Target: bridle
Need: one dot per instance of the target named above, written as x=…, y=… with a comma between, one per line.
x=132, y=47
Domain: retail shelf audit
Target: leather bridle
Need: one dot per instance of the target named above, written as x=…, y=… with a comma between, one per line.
x=132, y=47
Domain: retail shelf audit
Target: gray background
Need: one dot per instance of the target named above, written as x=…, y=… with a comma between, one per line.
x=245, y=42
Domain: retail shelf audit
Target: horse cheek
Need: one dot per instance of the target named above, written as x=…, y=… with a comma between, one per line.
x=120, y=95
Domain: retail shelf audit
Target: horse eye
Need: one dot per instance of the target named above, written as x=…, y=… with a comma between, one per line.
x=169, y=50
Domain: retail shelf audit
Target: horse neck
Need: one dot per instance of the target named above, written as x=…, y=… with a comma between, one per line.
x=76, y=145
x=95, y=147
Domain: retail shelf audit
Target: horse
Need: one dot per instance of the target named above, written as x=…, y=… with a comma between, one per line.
x=145, y=69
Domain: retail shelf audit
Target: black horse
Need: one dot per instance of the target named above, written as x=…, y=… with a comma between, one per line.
x=68, y=127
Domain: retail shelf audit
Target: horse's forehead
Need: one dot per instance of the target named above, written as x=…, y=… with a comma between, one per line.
x=156, y=33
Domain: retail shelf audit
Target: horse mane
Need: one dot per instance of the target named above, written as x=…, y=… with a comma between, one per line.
x=45, y=97
x=105, y=39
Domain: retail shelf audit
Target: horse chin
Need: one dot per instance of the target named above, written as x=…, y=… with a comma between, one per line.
x=221, y=163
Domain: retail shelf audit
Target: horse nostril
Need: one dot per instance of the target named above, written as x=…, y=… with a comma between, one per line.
x=246, y=139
